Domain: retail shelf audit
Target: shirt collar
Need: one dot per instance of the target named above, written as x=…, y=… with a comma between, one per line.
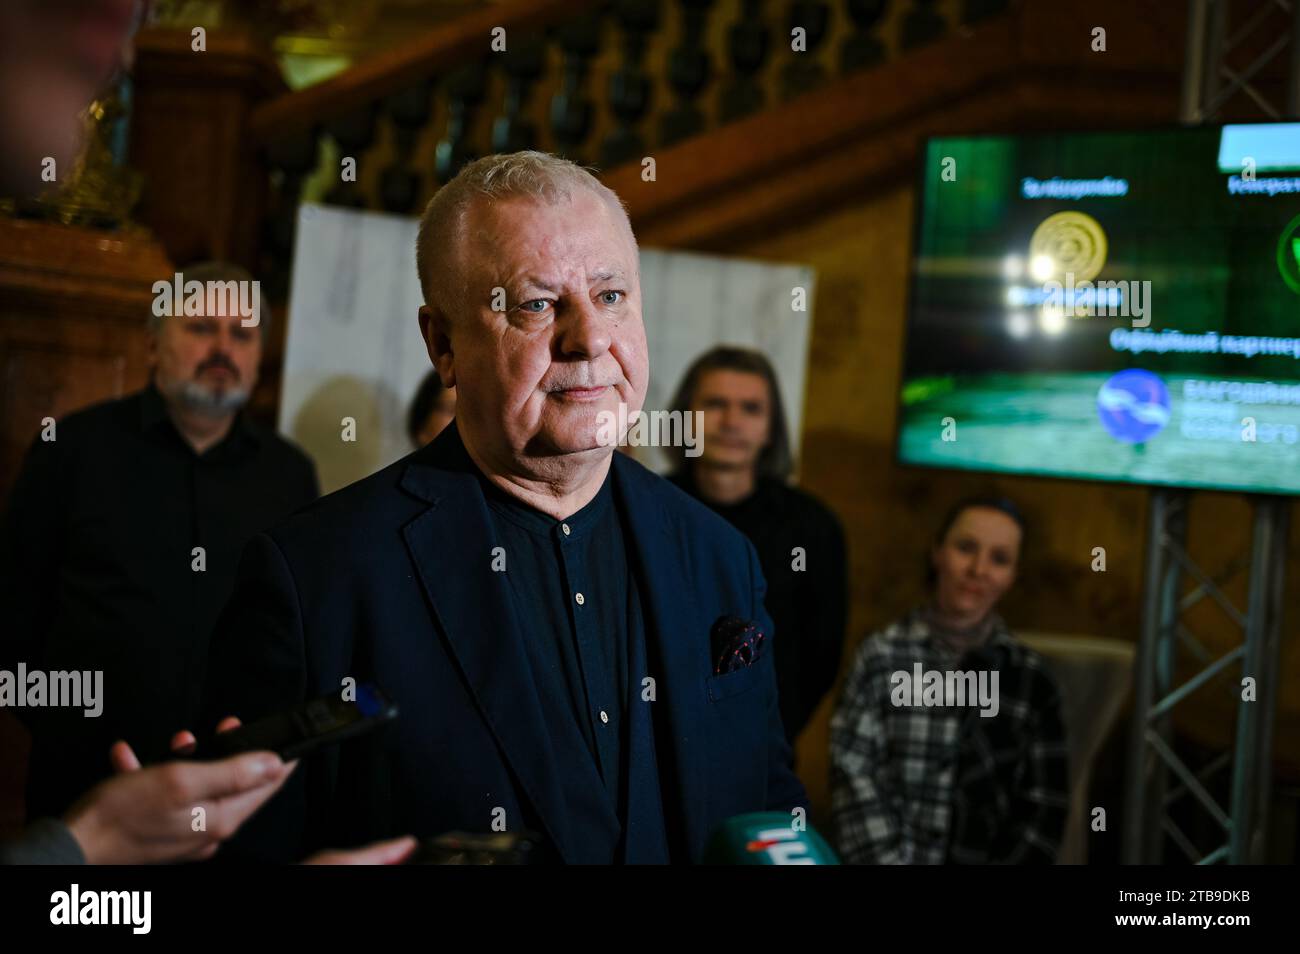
x=918, y=629
x=590, y=516
x=153, y=412
x=758, y=500
x=154, y=417
x=520, y=513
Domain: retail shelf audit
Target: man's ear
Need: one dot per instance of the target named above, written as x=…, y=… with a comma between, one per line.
x=436, y=331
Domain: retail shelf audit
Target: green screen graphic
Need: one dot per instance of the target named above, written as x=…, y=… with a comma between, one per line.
x=1109, y=306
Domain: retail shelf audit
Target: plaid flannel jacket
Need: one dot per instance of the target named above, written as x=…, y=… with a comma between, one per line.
x=923, y=785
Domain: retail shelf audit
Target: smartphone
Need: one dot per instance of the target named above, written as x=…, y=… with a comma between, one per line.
x=306, y=728
x=475, y=848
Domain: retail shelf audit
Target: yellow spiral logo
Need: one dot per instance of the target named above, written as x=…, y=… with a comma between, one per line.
x=1067, y=242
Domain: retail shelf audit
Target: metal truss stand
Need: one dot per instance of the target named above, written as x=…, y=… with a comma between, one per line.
x=1152, y=756
x=1209, y=82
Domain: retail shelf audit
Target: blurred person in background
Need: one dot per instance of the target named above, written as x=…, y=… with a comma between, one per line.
x=742, y=474
x=432, y=409
x=931, y=784
x=122, y=535
x=55, y=56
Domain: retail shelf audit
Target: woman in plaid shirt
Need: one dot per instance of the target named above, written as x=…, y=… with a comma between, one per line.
x=918, y=783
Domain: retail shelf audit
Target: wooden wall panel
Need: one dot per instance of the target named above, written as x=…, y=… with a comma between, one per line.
x=73, y=312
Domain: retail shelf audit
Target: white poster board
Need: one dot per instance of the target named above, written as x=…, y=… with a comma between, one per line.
x=354, y=350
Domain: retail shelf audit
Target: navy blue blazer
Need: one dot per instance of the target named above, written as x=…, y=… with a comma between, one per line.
x=389, y=580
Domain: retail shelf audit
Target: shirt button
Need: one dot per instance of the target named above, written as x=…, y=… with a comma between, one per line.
x=604, y=716
x=565, y=528
x=580, y=598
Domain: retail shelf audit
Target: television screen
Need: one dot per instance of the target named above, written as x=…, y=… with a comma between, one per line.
x=1119, y=306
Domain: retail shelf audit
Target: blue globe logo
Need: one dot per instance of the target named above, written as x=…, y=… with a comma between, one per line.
x=1133, y=406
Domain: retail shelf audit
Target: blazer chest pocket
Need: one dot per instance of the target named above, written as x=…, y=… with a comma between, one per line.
x=731, y=684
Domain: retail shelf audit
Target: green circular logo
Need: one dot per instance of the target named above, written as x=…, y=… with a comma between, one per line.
x=1288, y=255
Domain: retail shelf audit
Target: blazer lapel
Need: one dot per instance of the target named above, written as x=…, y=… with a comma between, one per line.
x=475, y=611
x=671, y=615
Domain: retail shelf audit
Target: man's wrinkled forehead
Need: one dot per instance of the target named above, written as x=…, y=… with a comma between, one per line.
x=600, y=249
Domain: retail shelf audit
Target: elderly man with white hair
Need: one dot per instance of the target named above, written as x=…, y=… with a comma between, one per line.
x=578, y=649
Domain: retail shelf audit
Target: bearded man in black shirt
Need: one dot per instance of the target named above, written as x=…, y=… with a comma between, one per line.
x=123, y=533
x=742, y=473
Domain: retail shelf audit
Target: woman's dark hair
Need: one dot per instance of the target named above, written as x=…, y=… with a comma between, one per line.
x=422, y=405
x=991, y=502
x=775, y=460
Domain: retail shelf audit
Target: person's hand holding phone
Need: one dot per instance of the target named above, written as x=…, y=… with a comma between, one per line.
x=392, y=852
x=150, y=815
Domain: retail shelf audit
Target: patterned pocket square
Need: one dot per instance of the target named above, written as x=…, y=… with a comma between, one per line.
x=737, y=644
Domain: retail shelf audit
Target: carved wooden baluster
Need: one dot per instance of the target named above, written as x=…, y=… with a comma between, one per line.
x=922, y=24
x=399, y=183
x=802, y=72
x=689, y=71
x=571, y=108
x=465, y=88
x=523, y=62
x=630, y=87
x=862, y=48
x=355, y=134
x=291, y=159
x=748, y=42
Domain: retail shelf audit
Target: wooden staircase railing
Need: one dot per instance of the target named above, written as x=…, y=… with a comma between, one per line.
x=603, y=83
x=744, y=128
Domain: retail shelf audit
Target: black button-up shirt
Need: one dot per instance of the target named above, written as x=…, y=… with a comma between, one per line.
x=579, y=604
x=100, y=572
x=570, y=585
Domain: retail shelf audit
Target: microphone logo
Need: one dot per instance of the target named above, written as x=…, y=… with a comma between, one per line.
x=767, y=838
x=782, y=847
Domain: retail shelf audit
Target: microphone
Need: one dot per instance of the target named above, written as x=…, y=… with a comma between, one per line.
x=766, y=838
